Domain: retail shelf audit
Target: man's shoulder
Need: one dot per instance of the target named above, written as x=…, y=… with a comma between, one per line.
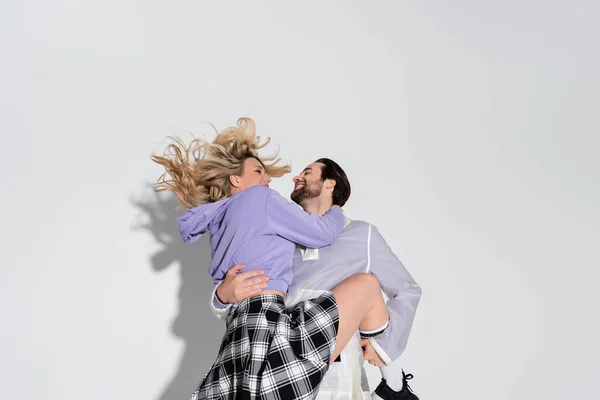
x=353, y=225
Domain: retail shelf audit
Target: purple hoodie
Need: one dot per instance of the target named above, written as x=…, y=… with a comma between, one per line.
x=259, y=228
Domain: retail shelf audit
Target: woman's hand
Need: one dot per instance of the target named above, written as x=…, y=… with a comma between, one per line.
x=239, y=286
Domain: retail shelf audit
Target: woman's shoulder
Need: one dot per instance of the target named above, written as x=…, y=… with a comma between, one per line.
x=259, y=191
x=255, y=193
x=256, y=199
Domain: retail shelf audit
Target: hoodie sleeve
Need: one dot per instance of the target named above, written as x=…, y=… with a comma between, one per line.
x=195, y=222
x=296, y=225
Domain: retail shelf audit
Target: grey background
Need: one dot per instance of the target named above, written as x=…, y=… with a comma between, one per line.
x=469, y=130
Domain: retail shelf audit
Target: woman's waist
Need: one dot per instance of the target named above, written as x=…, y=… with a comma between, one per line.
x=260, y=303
x=280, y=274
x=276, y=292
x=273, y=293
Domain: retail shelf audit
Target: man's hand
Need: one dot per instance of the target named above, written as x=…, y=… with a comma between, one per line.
x=239, y=286
x=370, y=354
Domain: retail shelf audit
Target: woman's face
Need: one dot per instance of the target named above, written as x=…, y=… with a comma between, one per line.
x=253, y=175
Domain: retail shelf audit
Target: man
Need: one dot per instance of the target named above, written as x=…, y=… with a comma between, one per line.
x=359, y=248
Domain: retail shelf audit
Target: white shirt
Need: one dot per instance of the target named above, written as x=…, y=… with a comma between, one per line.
x=359, y=248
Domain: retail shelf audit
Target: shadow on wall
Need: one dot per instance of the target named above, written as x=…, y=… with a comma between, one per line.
x=200, y=331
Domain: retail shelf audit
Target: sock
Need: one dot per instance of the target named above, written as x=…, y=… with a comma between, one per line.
x=368, y=334
x=392, y=373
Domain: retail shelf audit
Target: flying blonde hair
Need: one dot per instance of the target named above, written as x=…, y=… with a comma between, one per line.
x=198, y=173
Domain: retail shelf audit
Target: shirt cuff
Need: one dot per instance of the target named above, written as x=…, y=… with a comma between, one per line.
x=380, y=352
x=219, y=309
x=217, y=303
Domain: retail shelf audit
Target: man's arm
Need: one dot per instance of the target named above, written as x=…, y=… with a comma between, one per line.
x=218, y=309
x=403, y=294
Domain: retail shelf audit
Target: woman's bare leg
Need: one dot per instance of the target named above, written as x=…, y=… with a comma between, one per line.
x=360, y=305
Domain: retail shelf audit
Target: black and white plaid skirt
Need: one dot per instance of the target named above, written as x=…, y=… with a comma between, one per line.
x=269, y=353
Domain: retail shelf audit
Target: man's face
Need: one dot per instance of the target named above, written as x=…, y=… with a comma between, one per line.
x=308, y=184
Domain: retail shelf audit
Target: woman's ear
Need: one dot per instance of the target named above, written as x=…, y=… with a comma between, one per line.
x=234, y=180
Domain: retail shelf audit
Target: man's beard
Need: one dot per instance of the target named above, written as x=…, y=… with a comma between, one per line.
x=307, y=192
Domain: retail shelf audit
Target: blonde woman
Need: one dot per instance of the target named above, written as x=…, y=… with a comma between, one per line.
x=266, y=352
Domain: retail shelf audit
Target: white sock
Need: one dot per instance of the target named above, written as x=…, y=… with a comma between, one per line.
x=392, y=373
x=367, y=334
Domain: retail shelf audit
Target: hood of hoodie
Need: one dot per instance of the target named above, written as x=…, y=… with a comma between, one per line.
x=198, y=220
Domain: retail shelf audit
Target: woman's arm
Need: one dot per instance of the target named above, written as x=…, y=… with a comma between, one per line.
x=296, y=225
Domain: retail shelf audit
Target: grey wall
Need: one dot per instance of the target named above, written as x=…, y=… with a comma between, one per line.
x=469, y=130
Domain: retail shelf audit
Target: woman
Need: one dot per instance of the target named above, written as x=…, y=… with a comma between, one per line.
x=266, y=353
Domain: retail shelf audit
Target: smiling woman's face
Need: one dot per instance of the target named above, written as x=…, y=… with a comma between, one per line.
x=253, y=174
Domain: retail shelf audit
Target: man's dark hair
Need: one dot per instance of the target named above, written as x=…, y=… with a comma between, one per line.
x=331, y=170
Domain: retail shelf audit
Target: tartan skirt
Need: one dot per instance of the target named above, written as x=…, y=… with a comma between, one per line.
x=269, y=353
